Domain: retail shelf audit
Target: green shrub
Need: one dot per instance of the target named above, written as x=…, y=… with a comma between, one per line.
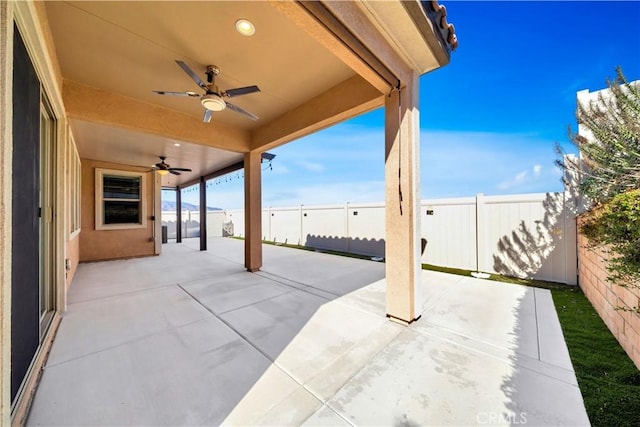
x=616, y=226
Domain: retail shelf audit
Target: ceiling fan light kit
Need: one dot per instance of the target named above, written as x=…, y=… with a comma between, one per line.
x=213, y=102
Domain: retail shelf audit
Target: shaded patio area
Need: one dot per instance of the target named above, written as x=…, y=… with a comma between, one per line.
x=191, y=338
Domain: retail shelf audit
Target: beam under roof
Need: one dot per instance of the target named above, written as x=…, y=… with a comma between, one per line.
x=224, y=171
x=101, y=106
x=348, y=99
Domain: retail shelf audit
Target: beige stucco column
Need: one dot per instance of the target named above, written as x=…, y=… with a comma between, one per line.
x=6, y=144
x=253, y=211
x=402, y=176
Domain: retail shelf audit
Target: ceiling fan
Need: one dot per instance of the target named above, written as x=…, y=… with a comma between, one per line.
x=212, y=100
x=163, y=168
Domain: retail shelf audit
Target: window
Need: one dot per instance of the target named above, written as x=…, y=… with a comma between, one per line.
x=74, y=172
x=120, y=201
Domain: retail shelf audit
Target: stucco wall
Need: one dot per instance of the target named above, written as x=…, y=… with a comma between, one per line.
x=73, y=257
x=606, y=298
x=98, y=245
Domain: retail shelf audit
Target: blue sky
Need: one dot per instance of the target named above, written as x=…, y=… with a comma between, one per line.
x=488, y=120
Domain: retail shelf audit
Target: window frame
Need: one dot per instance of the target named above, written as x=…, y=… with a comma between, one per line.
x=74, y=184
x=99, y=197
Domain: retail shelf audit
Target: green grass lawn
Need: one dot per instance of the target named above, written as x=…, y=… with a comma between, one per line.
x=608, y=379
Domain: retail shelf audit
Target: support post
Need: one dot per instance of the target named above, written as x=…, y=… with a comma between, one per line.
x=178, y=215
x=402, y=208
x=253, y=211
x=203, y=214
x=157, y=212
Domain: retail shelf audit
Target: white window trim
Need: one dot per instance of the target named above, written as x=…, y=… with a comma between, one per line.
x=74, y=185
x=99, y=200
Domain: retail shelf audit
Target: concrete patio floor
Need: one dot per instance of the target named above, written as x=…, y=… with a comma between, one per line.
x=190, y=338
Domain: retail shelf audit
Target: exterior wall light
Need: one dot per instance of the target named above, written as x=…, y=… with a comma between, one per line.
x=245, y=27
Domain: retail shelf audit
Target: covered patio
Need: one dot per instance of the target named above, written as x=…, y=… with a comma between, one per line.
x=191, y=338
x=103, y=93
x=241, y=333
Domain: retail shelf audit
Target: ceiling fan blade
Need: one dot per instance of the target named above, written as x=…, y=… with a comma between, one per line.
x=166, y=92
x=192, y=74
x=241, y=111
x=174, y=172
x=207, y=116
x=180, y=169
x=241, y=91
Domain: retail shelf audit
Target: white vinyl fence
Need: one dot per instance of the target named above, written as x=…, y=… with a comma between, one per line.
x=191, y=223
x=528, y=235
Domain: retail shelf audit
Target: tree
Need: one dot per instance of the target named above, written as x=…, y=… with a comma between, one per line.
x=610, y=147
x=609, y=171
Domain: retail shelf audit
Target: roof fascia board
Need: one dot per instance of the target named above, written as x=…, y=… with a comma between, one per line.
x=299, y=14
x=423, y=23
x=333, y=24
x=365, y=39
x=406, y=26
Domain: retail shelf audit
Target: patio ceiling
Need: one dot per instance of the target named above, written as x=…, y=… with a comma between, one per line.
x=130, y=147
x=113, y=55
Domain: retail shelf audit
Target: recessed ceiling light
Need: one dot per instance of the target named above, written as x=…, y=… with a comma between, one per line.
x=176, y=144
x=245, y=27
